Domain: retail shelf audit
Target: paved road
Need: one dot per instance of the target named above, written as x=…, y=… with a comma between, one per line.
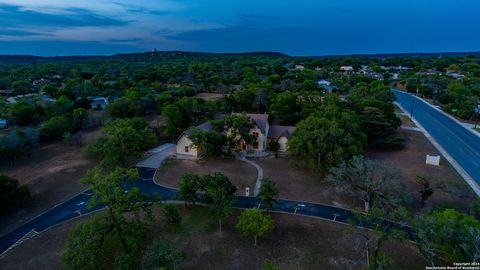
x=76, y=207
x=460, y=143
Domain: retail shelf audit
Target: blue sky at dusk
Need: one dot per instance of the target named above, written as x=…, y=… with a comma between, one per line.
x=301, y=27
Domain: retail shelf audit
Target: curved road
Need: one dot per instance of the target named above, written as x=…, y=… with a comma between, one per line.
x=461, y=144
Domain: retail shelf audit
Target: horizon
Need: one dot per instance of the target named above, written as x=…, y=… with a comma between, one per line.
x=308, y=28
x=248, y=52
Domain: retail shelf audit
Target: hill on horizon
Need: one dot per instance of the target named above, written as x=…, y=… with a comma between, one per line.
x=30, y=59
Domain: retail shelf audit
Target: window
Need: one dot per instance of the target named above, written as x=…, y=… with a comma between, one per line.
x=255, y=134
x=255, y=145
x=186, y=148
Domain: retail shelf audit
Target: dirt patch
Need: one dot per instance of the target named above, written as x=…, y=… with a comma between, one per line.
x=52, y=174
x=450, y=189
x=241, y=174
x=297, y=242
x=41, y=252
x=209, y=96
x=302, y=184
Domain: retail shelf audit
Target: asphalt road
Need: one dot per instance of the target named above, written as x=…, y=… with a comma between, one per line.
x=460, y=143
x=77, y=206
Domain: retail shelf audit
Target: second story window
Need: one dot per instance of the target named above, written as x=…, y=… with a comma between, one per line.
x=255, y=134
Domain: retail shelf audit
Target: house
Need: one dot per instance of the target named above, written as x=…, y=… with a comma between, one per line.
x=40, y=82
x=280, y=134
x=346, y=68
x=185, y=146
x=299, y=67
x=3, y=123
x=99, y=103
x=454, y=74
x=260, y=130
x=323, y=82
x=327, y=86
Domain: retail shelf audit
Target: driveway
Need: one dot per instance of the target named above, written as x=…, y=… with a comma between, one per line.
x=157, y=156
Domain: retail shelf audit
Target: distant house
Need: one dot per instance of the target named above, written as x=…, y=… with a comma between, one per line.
x=323, y=82
x=280, y=134
x=99, y=103
x=454, y=74
x=40, y=82
x=185, y=145
x=299, y=67
x=261, y=130
x=346, y=68
x=3, y=123
x=327, y=86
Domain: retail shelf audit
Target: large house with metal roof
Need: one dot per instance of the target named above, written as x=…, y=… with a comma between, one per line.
x=261, y=130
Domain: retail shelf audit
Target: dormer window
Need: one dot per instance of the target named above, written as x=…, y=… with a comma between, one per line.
x=255, y=134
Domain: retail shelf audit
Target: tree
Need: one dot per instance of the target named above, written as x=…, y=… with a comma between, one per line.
x=126, y=140
x=451, y=232
x=425, y=189
x=12, y=194
x=426, y=234
x=86, y=245
x=54, y=128
x=253, y=223
x=219, y=194
x=208, y=143
x=171, y=216
x=268, y=193
x=162, y=255
x=327, y=137
x=189, y=186
x=368, y=180
x=30, y=139
x=125, y=107
x=111, y=238
x=261, y=100
x=11, y=146
x=377, y=226
x=175, y=122
x=286, y=108
x=309, y=85
x=380, y=132
x=238, y=128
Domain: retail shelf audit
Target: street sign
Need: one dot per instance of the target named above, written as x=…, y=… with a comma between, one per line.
x=454, y=110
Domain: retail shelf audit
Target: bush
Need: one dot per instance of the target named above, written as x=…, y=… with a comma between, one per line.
x=171, y=216
x=12, y=194
x=162, y=255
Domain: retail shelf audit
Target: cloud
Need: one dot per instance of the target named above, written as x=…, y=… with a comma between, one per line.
x=260, y=17
x=16, y=32
x=15, y=16
x=119, y=40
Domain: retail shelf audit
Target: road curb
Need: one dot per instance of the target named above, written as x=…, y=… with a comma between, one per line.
x=473, y=185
